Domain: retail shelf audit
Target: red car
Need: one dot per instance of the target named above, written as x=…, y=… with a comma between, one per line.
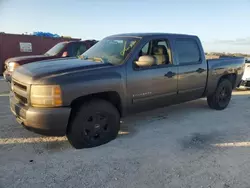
x=62, y=49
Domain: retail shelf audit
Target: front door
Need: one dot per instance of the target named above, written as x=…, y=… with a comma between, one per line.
x=154, y=86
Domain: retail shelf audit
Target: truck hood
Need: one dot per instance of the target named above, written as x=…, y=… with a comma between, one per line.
x=54, y=67
x=25, y=59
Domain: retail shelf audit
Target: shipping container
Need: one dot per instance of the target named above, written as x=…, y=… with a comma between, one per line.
x=13, y=45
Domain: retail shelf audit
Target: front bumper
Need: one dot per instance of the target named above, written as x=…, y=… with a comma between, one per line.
x=7, y=76
x=45, y=121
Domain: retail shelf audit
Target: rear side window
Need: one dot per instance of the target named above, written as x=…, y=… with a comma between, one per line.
x=188, y=51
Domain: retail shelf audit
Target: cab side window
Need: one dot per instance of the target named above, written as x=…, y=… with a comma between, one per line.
x=159, y=50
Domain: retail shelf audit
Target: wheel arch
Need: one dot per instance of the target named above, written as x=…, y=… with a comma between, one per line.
x=231, y=77
x=111, y=96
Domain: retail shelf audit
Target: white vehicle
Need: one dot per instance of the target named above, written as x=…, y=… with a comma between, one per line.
x=245, y=82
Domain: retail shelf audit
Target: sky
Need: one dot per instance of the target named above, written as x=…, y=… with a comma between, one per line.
x=222, y=25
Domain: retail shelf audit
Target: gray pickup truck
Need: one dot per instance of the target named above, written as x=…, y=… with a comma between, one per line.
x=84, y=98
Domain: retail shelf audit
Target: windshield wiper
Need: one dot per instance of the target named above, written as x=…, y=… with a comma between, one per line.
x=94, y=59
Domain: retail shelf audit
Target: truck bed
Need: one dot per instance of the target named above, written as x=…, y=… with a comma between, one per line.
x=222, y=66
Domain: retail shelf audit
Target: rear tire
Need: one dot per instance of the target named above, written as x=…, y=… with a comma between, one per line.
x=220, y=99
x=94, y=123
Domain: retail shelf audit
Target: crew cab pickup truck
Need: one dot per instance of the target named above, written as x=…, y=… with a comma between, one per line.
x=84, y=98
x=60, y=50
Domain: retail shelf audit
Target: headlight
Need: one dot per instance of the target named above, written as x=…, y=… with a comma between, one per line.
x=11, y=66
x=45, y=95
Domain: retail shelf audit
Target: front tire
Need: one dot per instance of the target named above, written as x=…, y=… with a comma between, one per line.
x=220, y=99
x=94, y=123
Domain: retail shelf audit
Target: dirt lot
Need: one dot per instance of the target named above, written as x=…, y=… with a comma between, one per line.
x=187, y=145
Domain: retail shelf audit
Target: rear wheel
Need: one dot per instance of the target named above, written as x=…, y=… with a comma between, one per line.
x=220, y=99
x=94, y=123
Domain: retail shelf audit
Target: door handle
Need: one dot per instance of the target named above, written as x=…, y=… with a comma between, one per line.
x=170, y=74
x=200, y=70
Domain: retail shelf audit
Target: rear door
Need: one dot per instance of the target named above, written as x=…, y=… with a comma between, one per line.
x=155, y=86
x=192, y=68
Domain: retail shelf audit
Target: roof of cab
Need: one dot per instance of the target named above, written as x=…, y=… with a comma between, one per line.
x=140, y=35
x=79, y=41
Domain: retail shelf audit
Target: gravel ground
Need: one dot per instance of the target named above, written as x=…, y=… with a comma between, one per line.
x=4, y=86
x=187, y=145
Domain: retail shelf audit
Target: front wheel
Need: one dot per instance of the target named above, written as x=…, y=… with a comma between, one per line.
x=220, y=99
x=94, y=123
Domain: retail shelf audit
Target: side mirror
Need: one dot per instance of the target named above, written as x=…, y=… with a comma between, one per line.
x=145, y=61
x=65, y=54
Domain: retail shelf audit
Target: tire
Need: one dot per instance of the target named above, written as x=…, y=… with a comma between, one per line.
x=220, y=99
x=94, y=123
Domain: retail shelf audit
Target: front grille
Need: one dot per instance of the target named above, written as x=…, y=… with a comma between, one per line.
x=23, y=87
x=20, y=91
x=20, y=112
x=21, y=98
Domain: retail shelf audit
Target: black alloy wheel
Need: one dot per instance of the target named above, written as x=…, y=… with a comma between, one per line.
x=93, y=123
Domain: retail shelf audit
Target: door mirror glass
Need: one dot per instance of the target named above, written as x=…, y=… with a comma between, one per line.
x=145, y=61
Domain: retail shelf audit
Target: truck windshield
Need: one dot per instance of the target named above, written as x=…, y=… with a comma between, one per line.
x=111, y=50
x=55, y=49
